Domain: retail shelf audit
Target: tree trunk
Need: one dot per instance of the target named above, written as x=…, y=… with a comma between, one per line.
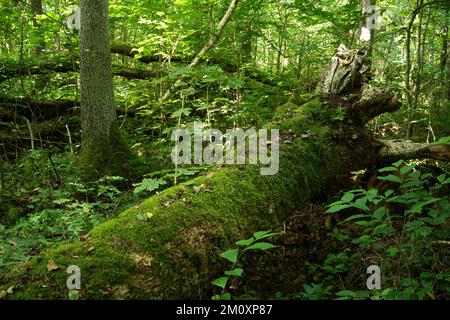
x=167, y=247
x=102, y=151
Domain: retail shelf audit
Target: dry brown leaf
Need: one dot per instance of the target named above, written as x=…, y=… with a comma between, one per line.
x=147, y=261
x=121, y=292
x=136, y=258
x=51, y=265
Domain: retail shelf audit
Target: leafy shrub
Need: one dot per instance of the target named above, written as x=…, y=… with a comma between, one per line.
x=404, y=229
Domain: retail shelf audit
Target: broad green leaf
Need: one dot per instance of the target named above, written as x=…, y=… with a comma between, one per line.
x=444, y=140
x=348, y=197
x=235, y=273
x=226, y=296
x=389, y=193
x=221, y=282
x=417, y=208
x=148, y=185
x=230, y=255
x=180, y=112
x=398, y=163
x=379, y=213
x=387, y=169
x=382, y=229
x=392, y=251
x=245, y=243
x=337, y=208
x=406, y=169
x=361, y=204
x=261, y=246
x=264, y=234
x=345, y=293
x=391, y=178
x=356, y=216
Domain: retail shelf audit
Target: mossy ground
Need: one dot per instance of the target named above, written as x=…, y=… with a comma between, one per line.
x=108, y=155
x=167, y=247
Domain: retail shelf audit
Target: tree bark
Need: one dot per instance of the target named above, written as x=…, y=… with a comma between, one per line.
x=103, y=151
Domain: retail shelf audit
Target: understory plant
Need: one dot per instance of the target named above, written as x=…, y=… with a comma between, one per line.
x=234, y=256
x=402, y=227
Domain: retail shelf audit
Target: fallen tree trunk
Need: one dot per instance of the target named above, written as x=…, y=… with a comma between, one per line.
x=11, y=108
x=65, y=65
x=166, y=247
x=34, y=109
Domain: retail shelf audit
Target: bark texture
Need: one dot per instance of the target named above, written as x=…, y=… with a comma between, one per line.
x=103, y=151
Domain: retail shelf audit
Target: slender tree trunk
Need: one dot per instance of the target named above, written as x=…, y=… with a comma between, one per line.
x=36, y=8
x=408, y=87
x=367, y=33
x=103, y=151
x=445, y=64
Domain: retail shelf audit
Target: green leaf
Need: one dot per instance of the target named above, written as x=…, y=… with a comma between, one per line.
x=337, y=208
x=148, y=185
x=444, y=140
x=389, y=193
x=180, y=112
x=356, y=216
x=382, y=229
x=345, y=293
x=406, y=169
x=230, y=255
x=61, y=201
x=392, y=251
x=379, y=213
x=235, y=273
x=226, y=296
x=261, y=246
x=387, y=169
x=398, y=163
x=348, y=197
x=245, y=243
x=221, y=282
x=361, y=204
x=417, y=208
x=391, y=178
x=263, y=234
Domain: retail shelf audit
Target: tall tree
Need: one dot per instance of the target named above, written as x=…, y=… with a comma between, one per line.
x=103, y=151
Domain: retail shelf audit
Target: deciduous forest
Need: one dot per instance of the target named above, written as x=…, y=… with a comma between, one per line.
x=224, y=150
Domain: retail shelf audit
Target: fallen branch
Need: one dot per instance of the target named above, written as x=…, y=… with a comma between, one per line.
x=64, y=65
x=38, y=109
x=394, y=150
x=207, y=47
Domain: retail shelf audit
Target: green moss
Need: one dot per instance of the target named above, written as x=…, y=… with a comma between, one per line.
x=173, y=254
x=108, y=155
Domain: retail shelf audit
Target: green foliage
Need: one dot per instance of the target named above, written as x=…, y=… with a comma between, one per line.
x=55, y=206
x=234, y=256
x=148, y=185
x=402, y=228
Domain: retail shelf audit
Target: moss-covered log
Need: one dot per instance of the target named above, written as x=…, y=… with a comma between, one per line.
x=173, y=253
x=167, y=247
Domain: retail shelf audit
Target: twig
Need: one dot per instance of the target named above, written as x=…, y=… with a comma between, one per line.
x=31, y=133
x=70, y=139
